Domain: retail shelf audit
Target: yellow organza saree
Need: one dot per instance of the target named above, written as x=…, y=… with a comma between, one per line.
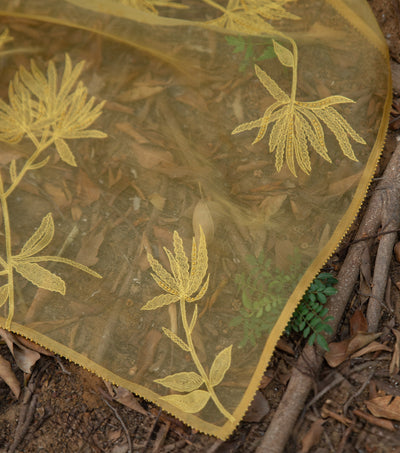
x=173, y=176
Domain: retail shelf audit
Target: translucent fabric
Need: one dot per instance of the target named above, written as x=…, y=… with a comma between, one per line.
x=173, y=176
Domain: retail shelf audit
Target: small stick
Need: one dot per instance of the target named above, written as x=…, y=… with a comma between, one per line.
x=359, y=391
x=386, y=424
x=293, y=401
x=128, y=437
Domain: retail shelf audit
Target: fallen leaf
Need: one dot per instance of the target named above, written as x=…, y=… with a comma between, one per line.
x=312, y=436
x=385, y=407
x=34, y=346
x=87, y=191
x=140, y=92
x=24, y=357
x=396, y=251
x=358, y=323
x=202, y=216
x=60, y=197
x=325, y=235
x=128, y=129
x=125, y=397
x=76, y=212
x=341, y=351
x=395, y=362
x=271, y=205
x=258, y=409
x=339, y=188
x=157, y=201
x=372, y=347
x=150, y=157
x=7, y=374
x=87, y=254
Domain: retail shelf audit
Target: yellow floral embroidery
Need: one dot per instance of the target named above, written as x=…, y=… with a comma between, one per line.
x=48, y=113
x=299, y=123
x=5, y=37
x=248, y=16
x=186, y=285
x=151, y=5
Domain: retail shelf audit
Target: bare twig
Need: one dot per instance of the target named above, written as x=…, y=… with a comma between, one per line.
x=281, y=426
x=126, y=431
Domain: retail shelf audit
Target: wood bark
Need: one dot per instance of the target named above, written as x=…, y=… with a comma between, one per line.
x=309, y=363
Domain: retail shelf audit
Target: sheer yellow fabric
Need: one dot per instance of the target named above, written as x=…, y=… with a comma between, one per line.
x=173, y=176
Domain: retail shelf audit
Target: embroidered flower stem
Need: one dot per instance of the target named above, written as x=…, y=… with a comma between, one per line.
x=198, y=364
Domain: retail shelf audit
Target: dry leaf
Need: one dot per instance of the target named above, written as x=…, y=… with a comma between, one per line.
x=150, y=157
x=157, y=201
x=325, y=235
x=258, y=409
x=140, y=92
x=395, y=363
x=87, y=254
x=129, y=130
x=24, y=357
x=87, y=191
x=202, y=216
x=396, y=251
x=341, y=351
x=58, y=194
x=372, y=347
x=127, y=398
x=7, y=374
x=358, y=323
x=272, y=204
x=385, y=406
x=35, y=347
x=312, y=436
x=339, y=188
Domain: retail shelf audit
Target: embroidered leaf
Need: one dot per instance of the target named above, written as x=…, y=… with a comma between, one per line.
x=284, y=55
x=191, y=403
x=176, y=339
x=199, y=263
x=163, y=278
x=5, y=37
x=40, y=277
x=296, y=124
x=182, y=284
x=150, y=5
x=160, y=301
x=271, y=86
x=40, y=164
x=194, y=319
x=40, y=238
x=37, y=106
x=270, y=9
x=13, y=170
x=64, y=152
x=181, y=259
x=220, y=366
x=3, y=294
x=182, y=382
x=201, y=293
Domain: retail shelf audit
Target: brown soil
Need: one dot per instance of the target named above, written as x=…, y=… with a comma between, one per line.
x=71, y=410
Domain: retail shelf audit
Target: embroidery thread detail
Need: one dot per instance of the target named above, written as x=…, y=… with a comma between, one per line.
x=47, y=113
x=299, y=123
x=186, y=285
